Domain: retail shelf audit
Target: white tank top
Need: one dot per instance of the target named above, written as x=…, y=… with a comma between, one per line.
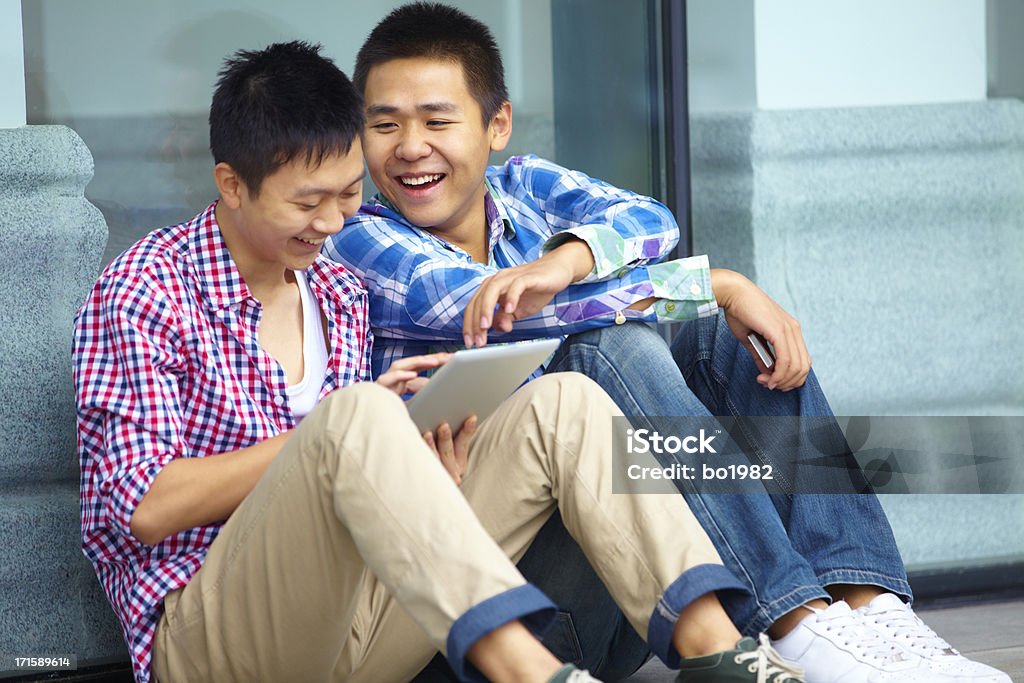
x=303, y=396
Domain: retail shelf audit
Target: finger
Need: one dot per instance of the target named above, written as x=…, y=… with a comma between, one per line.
x=791, y=370
x=415, y=384
x=783, y=359
x=446, y=450
x=474, y=310
x=395, y=379
x=798, y=350
x=488, y=297
x=420, y=363
x=428, y=438
x=465, y=435
x=470, y=317
x=510, y=302
x=503, y=321
x=508, y=305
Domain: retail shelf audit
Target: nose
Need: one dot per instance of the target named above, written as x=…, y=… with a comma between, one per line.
x=412, y=145
x=329, y=220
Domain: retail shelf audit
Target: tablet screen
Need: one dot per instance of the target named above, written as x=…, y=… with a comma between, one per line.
x=475, y=382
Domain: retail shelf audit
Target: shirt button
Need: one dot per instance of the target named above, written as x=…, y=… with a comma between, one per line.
x=279, y=400
x=695, y=289
x=622, y=273
x=620, y=317
x=670, y=306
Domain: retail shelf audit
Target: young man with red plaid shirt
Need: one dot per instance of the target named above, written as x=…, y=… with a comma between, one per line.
x=256, y=510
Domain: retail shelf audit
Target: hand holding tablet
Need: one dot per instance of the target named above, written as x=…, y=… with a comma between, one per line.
x=475, y=382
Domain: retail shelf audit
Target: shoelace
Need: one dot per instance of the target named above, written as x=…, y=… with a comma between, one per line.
x=907, y=626
x=769, y=663
x=852, y=630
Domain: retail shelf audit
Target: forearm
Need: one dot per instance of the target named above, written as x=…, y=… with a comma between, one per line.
x=727, y=284
x=193, y=492
x=575, y=256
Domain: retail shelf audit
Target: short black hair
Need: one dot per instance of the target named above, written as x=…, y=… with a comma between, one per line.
x=437, y=31
x=273, y=105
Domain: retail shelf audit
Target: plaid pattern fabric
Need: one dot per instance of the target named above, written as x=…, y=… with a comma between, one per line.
x=167, y=365
x=420, y=285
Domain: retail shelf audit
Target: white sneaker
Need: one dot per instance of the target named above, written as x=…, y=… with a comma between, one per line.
x=894, y=619
x=834, y=645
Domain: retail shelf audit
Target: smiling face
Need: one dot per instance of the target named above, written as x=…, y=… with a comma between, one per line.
x=427, y=147
x=298, y=207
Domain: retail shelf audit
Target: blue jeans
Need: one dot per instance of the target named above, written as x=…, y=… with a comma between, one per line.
x=785, y=548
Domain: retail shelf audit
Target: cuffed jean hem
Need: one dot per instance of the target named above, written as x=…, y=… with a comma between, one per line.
x=860, y=577
x=768, y=614
x=695, y=582
x=525, y=603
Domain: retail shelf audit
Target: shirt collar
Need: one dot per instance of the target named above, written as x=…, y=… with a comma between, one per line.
x=222, y=285
x=498, y=222
x=214, y=268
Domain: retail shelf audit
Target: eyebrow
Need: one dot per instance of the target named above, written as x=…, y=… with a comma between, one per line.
x=313, y=189
x=431, y=107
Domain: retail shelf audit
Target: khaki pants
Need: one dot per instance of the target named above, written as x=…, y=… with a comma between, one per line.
x=355, y=553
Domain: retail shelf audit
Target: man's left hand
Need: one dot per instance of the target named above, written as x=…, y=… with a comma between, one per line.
x=748, y=309
x=452, y=450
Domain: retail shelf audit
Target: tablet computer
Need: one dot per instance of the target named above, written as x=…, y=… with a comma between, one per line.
x=475, y=382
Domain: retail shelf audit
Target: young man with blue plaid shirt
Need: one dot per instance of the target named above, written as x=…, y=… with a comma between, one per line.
x=454, y=252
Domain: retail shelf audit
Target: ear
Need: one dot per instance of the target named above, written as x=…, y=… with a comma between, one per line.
x=229, y=184
x=501, y=127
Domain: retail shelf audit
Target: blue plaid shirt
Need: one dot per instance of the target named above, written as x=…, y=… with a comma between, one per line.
x=419, y=285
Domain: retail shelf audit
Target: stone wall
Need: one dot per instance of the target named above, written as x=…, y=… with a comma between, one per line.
x=51, y=241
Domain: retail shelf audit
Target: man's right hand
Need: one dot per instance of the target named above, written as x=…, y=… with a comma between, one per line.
x=403, y=375
x=522, y=291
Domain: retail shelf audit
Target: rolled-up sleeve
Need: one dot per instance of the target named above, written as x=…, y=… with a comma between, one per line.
x=127, y=381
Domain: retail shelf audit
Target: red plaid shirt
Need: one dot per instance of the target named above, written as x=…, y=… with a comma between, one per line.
x=167, y=365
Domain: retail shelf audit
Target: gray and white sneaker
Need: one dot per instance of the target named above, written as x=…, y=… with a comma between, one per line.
x=895, y=620
x=570, y=674
x=835, y=645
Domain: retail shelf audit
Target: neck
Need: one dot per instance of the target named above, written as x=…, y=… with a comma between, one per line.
x=262, y=279
x=472, y=234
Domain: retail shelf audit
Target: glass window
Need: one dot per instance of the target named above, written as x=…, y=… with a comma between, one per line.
x=135, y=80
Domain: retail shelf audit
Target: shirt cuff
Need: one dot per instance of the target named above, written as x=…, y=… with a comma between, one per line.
x=126, y=489
x=614, y=255
x=683, y=289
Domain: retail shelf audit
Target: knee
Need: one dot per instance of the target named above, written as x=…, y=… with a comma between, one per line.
x=616, y=347
x=570, y=389
x=699, y=339
x=628, y=335
x=367, y=400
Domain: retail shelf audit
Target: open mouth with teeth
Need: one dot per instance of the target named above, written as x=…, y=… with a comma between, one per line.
x=421, y=182
x=311, y=242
